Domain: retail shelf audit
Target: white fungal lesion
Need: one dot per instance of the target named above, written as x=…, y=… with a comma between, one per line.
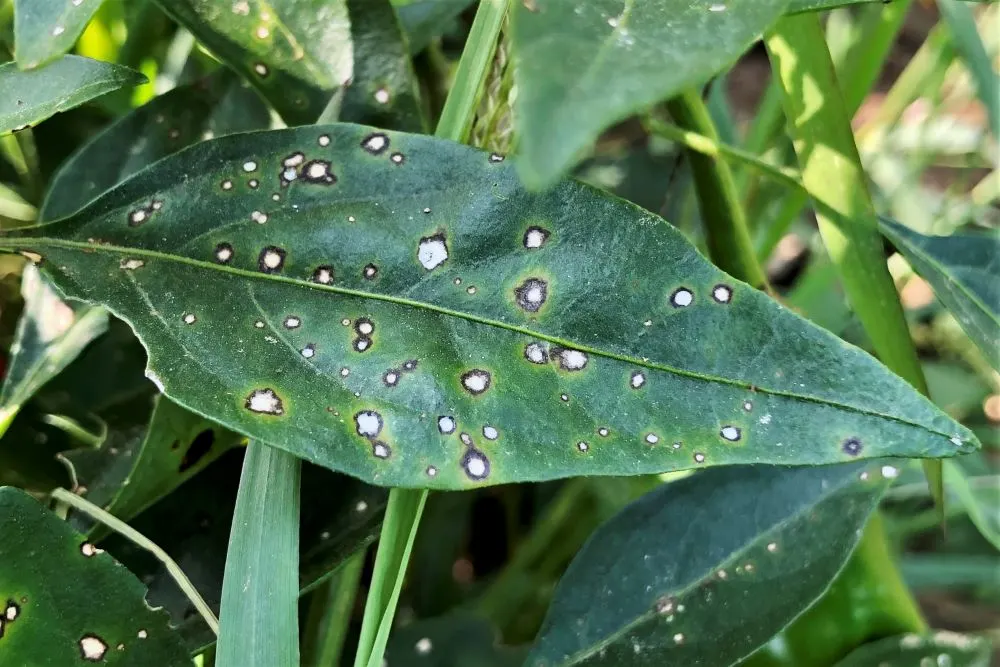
x=227, y=185
x=364, y=326
x=572, y=360
x=309, y=351
x=699, y=457
x=603, y=431
x=652, y=438
x=265, y=401
x=324, y=140
x=370, y=272
x=535, y=237
x=368, y=423
x=431, y=471
x=189, y=318
x=722, y=293
x=476, y=465
x=531, y=294
x=271, y=259
x=731, y=433
x=89, y=550
x=432, y=251
x=260, y=69
x=142, y=634
x=92, y=648
x=397, y=158
x=637, y=380
x=747, y=406
x=292, y=322
x=12, y=611
x=490, y=432
x=382, y=95
x=536, y=353
x=447, y=424
x=375, y=143
x=132, y=264
x=362, y=344
x=583, y=446
x=423, y=646
x=381, y=450
x=681, y=297
x=318, y=171
x=223, y=253
x=323, y=275
x=496, y=157
x=391, y=377
x=249, y=166
x=476, y=381
x=259, y=217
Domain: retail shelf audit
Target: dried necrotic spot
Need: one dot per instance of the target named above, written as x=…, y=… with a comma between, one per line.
x=397, y=158
x=292, y=322
x=582, y=446
x=137, y=217
x=258, y=324
x=652, y=438
x=323, y=275
x=410, y=365
x=381, y=450
x=227, y=185
x=852, y=446
x=190, y=318
x=324, y=140
x=89, y=550
x=382, y=95
x=748, y=405
x=375, y=143
x=309, y=351
x=476, y=381
x=271, y=259
x=730, y=433
x=432, y=251
x=531, y=294
x=466, y=439
x=446, y=424
x=362, y=344
x=260, y=69
x=572, y=360
x=391, y=377
x=535, y=237
x=132, y=264
x=682, y=297
x=318, y=171
x=536, y=353
x=253, y=183
x=603, y=431
x=265, y=401
x=564, y=398
x=476, y=465
x=249, y=166
x=370, y=272
x=699, y=457
x=12, y=611
x=368, y=423
x=722, y=293
x=637, y=380
x=364, y=326
x=490, y=433
x=496, y=157
x=432, y=471
x=92, y=648
x=259, y=217
x=223, y=253
x=294, y=160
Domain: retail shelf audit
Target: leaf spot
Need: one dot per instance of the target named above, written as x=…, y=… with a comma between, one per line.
x=772, y=546
x=564, y=398
x=391, y=377
x=190, y=318
x=309, y=351
x=92, y=648
x=323, y=275
x=731, y=433
x=446, y=424
x=375, y=143
x=368, y=423
x=253, y=183
x=699, y=457
x=496, y=157
x=603, y=431
x=258, y=217
x=362, y=343
x=227, y=185
x=679, y=638
x=259, y=324
x=432, y=471
x=890, y=472
x=852, y=446
x=265, y=401
x=260, y=69
x=536, y=353
x=397, y=158
x=89, y=550
x=637, y=380
x=249, y=166
x=271, y=260
x=364, y=326
x=292, y=322
x=132, y=264
x=432, y=251
x=476, y=465
x=142, y=634
x=345, y=371
x=223, y=253
x=324, y=140
x=12, y=611
x=370, y=272
x=652, y=438
x=381, y=450
x=583, y=446
x=531, y=295
x=572, y=360
x=382, y=95
x=722, y=293
x=410, y=365
x=490, y=433
x=535, y=237
x=318, y=171
x=747, y=405
x=424, y=646
x=476, y=381
x=137, y=217
x=681, y=298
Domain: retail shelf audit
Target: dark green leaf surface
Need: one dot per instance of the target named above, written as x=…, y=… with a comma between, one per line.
x=964, y=270
x=68, y=603
x=218, y=105
x=31, y=97
x=399, y=308
x=46, y=29
x=942, y=648
x=423, y=20
x=50, y=335
x=295, y=52
x=706, y=570
x=583, y=66
x=450, y=641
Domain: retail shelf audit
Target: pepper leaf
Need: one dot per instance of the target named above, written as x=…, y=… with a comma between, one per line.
x=399, y=308
x=941, y=648
x=46, y=29
x=678, y=577
x=66, y=602
x=457, y=640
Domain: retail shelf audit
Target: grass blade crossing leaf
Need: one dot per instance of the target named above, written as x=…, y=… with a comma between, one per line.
x=678, y=577
x=941, y=648
x=583, y=66
x=258, y=624
x=964, y=270
x=407, y=313
x=66, y=602
x=31, y=97
x=46, y=29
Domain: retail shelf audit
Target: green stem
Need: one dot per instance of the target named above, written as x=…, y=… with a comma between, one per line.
x=405, y=506
x=729, y=243
x=140, y=540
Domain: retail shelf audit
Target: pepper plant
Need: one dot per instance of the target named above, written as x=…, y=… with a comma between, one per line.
x=297, y=275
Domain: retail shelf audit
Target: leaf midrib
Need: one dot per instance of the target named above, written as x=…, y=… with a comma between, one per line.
x=34, y=243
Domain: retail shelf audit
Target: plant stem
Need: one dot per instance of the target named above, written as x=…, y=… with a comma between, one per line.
x=729, y=243
x=140, y=540
x=405, y=506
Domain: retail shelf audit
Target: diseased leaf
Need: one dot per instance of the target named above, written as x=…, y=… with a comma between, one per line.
x=941, y=648
x=31, y=97
x=66, y=602
x=50, y=334
x=339, y=516
x=458, y=640
x=218, y=105
x=423, y=20
x=398, y=307
x=679, y=577
x=46, y=29
x=582, y=66
x=964, y=270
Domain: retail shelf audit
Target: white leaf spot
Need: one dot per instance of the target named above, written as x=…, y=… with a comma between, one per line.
x=432, y=251
x=638, y=379
x=536, y=353
x=92, y=648
x=535, y=238
x=730, y=433
x=476, y=465
x=264, y=401
x=190, y=318
x=476, y=381
x=681, y=298
x=722, y=293
x=249, y=166
x=132, y=264
x=572, y=360
x=258, y=217
x=446, y=424
x=424, y=646
x=490, y=433
x=369, y=423
x=292, y=322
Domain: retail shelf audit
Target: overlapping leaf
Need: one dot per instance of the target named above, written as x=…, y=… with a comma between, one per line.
x=964, y=270
x=706, y=570
x=31, y=97
x=65, y=602
x=942, y=648
x=585, y=65
x=399, y=308
x=423, y=20
x=450, y=641
x=46, y=29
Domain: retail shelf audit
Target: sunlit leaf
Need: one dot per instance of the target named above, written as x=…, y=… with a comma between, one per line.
x=31, y=97
x=46, y=29
x=582, y=66
x=946, y=649
x=398, y=307
x=681, y=577
x=66, y=602
x=964, y=270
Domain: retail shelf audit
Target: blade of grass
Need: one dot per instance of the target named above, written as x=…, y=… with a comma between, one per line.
x=330, y=614
x=965, y=37
x=405, y=506
x=259, y=621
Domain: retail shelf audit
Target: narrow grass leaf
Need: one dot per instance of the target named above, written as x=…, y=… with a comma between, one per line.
x=961, y=22
x=46, y=29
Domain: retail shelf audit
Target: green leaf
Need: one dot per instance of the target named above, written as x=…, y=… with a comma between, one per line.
x=67, y=602
x=981, y=503
x=423, y=20
x=50, y=335
x=582, y=66
x=457, y=640
x=381, y=320
x=964, y=271
x=258, y=623
x=961, y=22
x=678, y=577
x=218, y=105
x=31, y=97
x=941, y=648
x=46, y=29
